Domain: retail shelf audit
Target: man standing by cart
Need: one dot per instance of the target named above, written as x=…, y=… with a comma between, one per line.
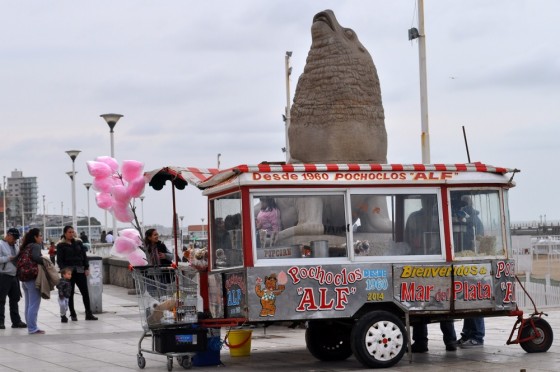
x=425, y=220
x=9, y=284
x=473, y=332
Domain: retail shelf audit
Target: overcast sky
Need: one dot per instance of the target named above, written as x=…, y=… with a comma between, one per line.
x=194, y=79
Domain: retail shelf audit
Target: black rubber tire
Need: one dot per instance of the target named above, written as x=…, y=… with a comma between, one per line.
x=186, y=363
x=379, y=339
x=328, y=340
x=141, y=361
x=540, y=344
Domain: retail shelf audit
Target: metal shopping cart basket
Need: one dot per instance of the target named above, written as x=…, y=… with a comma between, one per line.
x=167, y=299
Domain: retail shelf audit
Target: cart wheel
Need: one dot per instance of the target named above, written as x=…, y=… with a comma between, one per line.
x=378, y=339
x=170, y=363
x=328, y=341
x=539, y=344
x=141, y=361
x=186, y=363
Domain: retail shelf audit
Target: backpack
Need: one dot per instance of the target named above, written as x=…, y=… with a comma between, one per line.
x=27, y=269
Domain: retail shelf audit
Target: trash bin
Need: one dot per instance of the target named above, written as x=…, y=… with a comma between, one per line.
x=95, y=284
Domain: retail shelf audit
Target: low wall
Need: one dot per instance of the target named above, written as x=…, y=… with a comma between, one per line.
x=115, y=272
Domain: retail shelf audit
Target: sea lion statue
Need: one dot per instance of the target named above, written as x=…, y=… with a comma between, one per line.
x=337, y=117
x=337, y=114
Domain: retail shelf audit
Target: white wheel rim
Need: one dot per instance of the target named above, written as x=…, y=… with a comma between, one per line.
x=538, y=340
x=384, y=340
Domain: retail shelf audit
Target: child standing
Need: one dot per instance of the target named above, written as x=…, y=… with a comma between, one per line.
x=52, y=253
x=64, y=292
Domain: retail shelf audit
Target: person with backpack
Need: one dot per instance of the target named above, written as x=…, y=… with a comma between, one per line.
x=28, y=261
x=9, y=284
x=70, y=253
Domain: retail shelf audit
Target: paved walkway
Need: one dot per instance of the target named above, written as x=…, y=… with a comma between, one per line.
x=111, y=344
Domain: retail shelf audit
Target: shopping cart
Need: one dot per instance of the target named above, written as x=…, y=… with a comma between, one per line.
x=167, y=299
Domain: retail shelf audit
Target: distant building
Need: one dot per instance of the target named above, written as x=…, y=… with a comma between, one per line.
x=21, y=199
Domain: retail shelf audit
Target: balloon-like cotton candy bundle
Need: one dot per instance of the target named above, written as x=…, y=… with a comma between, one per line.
x=131, y=169
x=137, y=258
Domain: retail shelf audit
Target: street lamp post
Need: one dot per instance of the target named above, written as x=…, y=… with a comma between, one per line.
x=203, y=230
x=73, y=155
x=88, y=185
x=111, y=120
x=181, y=228
x=22, y=217
x=72, y=176
x=142, y=202
x=62, y=216
x=44, y=219
x=4, y=196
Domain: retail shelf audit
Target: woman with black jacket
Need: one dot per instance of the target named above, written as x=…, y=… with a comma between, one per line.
x=71, y=253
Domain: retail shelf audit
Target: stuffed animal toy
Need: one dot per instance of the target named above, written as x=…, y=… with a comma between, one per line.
x=158, y=310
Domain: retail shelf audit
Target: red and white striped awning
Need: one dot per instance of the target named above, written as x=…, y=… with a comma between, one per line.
x=288, y=168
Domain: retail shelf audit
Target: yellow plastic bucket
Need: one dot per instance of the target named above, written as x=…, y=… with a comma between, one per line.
x=239, y=342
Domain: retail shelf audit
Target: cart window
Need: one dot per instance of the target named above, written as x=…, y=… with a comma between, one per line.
x=477, y=223
x=396, y=225
x=225, y=232
x=299, y=226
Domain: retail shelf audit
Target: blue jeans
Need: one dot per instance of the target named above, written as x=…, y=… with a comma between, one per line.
x=63, y=304
x=32, y=302
x=420, y=333
x=473, y=328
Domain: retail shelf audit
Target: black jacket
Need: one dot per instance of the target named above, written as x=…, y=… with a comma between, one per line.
x=160, y=247
x=64, y=288
x=71, y=254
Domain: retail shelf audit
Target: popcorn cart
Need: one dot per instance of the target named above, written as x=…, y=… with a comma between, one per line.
x=167, y=299
x=360, y=252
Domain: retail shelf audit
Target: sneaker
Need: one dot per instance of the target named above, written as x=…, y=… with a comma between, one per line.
x=19, y=325
x=470, y=343
x=2, y=326
x=63, y=319
x=452, y=346
x=91, y=317
x=38, y=332
x=461, y=341
x=74, y=318
x=419, y=347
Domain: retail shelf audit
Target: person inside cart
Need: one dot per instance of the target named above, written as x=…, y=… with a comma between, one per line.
x=268, y=221
x=473, y=332
x=221, y=236
x=422, y=228
x=417, y=224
